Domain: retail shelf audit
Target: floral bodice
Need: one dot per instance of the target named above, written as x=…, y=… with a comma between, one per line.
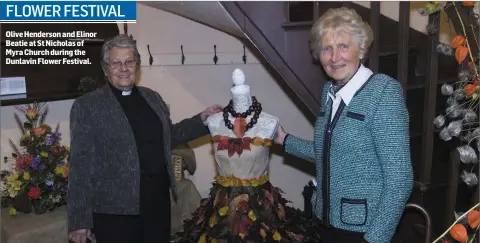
x=244, y=158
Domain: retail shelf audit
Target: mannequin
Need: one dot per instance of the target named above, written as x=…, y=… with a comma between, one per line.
x=243, y=205
x=242, y=100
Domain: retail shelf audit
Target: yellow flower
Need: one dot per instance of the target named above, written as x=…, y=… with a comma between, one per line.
x=61, y=170
x=203, y=238
x=26, y=176
x=252, y=215
x=14, y=188
x=12, y=177
x=263, y=233
x=276, y=236
x=44, y=154
x=66, y=148
x=223, y=211
x=212, y=221
x=12, y=211
x=13, y=184
x=25, y=136
x=242, y=235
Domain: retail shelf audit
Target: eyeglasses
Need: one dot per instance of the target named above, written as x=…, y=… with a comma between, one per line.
x=129, y=64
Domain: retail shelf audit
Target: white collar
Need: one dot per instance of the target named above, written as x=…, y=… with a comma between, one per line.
x=356, y=82
x=126, y=93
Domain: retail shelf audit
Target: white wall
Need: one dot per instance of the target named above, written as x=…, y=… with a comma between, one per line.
x=193, y=87
x=418, y=22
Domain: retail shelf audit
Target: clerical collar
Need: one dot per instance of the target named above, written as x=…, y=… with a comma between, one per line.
x=121, y=93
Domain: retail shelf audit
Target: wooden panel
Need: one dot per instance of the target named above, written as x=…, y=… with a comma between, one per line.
x=267, y=16
x=300, y=60
x=375, y=25
x=403, y=26
x=300, y=11
x=429, y=103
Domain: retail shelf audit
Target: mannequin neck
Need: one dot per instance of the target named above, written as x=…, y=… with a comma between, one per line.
x=241, y=102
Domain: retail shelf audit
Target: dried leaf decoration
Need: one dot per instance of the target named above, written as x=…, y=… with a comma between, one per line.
x=474, y=219
x=239, y=126
x=458, y=41
x=461, y=53
x=280, y=212
x=241, y=203
x=468, y=3
x=459, y=233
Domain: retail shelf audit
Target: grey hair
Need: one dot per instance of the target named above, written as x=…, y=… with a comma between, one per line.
x=119, y=41
x=345, y=19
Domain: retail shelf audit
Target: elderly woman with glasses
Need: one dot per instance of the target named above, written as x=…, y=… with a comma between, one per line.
x=361, y=137
x=120, y=159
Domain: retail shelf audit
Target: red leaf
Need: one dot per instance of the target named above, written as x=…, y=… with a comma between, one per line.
x=239, y=126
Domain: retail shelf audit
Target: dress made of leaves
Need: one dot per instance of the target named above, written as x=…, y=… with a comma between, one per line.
x=39, y=175
x=246, y=210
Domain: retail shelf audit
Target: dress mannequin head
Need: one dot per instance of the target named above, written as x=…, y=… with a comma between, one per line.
x=241, y=96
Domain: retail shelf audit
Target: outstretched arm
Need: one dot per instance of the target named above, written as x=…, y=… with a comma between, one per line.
x=186, y=130
x=190, y=128
x=293, y=145
x=391, y=138
x=301, y=148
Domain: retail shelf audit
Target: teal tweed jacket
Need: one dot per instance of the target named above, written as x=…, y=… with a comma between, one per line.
x=362, y=158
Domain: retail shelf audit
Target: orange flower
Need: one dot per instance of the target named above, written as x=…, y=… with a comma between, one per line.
x=31, y=113
x=458, y=41
x=469, y=89
x=459, y=233
x=468, y=3
x=474, y=218
x=39, y=131
x=461, y=53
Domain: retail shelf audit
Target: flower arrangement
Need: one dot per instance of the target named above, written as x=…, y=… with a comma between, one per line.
x=39, y=175
x=461, y=117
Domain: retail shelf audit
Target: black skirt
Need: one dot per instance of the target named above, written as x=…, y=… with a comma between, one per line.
x=151, y=226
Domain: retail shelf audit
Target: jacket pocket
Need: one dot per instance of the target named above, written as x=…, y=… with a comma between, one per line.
x=356, y=116
x=353, y=211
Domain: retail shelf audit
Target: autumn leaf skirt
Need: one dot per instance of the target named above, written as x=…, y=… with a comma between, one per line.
x=251, y=213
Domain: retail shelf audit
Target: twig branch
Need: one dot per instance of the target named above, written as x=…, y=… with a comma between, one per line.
x=466, y=37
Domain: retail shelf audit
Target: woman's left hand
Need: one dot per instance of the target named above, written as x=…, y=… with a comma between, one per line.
x=214, y=109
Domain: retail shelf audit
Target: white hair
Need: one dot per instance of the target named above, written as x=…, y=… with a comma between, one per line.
x=341, y=19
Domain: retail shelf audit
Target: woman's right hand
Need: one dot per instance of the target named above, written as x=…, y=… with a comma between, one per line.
x=80, y=236
x=279, y=135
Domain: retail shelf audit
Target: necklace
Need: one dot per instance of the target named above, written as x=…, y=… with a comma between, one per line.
x=256, y=108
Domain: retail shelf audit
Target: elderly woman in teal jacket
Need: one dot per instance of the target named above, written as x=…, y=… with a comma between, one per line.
x=361, y=139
